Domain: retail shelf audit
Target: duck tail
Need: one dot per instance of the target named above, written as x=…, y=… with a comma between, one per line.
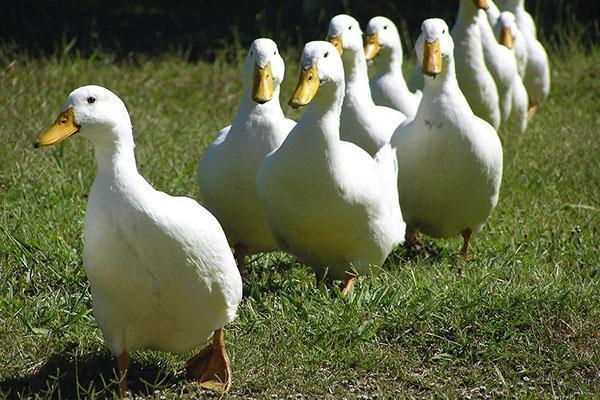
x=388, y=166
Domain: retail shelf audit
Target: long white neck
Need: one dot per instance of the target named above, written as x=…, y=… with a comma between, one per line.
x=467, y=14
x=116, y=157
x=389, y=61
x=357, y=76
x=324, y=112
x=249, y=107
x=444, y=82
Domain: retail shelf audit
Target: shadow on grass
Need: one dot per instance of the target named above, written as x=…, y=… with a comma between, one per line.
x=70, y=375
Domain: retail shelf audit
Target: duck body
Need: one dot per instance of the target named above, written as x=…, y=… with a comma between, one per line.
x=474, y=78
x=161, y=273
x=362, y=122
x=227, y=172
x=449, y=160
x=328, y=202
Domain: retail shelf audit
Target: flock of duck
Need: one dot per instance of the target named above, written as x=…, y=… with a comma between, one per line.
x=368, y=165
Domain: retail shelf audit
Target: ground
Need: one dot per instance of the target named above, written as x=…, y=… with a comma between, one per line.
x=519, y=318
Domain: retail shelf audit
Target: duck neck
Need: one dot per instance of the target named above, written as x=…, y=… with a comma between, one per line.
x=357, y=77
x=324, y=111
x=445, y=82
x=389, y=61
x=248, y=107
x=116, y=157
x=467, y=14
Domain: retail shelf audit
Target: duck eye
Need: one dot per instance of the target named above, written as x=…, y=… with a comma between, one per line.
x=250, y=52
x=326, y=54
x=91, y=100
x=350, y=28
x=275, y=52
x=444, y=31
x=385, y=27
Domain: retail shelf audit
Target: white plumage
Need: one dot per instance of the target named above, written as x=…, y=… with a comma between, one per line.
x=449, y=160
x=227, y=172
x=362, y=121
x=388, y=86
x=328, y=201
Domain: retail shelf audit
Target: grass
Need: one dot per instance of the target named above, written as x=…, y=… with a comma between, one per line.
x=520, y=318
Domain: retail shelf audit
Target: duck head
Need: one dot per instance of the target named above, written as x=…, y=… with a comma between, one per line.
x=382, y=35
x=93, y=112
x=345, y=34
x=321, y=66
x=434, y=46
x=507, y=29
x=264, y=68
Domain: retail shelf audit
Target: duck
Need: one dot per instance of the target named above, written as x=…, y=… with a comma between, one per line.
x=537, y=71
x=449, y=159
x=328, y=201
x=525, y=21
x=227, y=171
x=519, y=100
x=388, y=86
x=362, y=121
x=475, y=80
x=161, y=273
x=501, y=63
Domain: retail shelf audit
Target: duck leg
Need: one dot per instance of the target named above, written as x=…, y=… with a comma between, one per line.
x=531, y=112
x=123, y=366
x=240, y=252
x=349, y=282
x=211, y=367
x=466, y=234
x=412, y=236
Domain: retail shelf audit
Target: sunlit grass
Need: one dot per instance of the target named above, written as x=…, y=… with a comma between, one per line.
x=520, y=318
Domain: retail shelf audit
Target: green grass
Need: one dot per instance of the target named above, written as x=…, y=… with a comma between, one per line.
x=520, y=318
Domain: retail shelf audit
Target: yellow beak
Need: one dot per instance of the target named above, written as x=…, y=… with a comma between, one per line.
x=63, y=127
x=482, y=4
x=372, y=46
x=506, y=37
x=308, y=85
x=262, y=85
x=432, y=58
x=337, y=42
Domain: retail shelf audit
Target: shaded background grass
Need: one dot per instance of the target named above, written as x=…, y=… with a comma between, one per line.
x=521, y=318
x=208, y=28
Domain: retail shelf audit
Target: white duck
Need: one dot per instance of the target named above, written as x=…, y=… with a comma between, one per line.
x=519, y=101
x=362, y=122
x=388, y=86
x=474, y=78
x=227, y=172
x=525, y=21
x=328, y=202
x=449, y=160
x=161, y=272
x=501, y=63
x=537, y=72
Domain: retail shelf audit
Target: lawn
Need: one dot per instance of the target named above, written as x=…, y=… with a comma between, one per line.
x=519, y=318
